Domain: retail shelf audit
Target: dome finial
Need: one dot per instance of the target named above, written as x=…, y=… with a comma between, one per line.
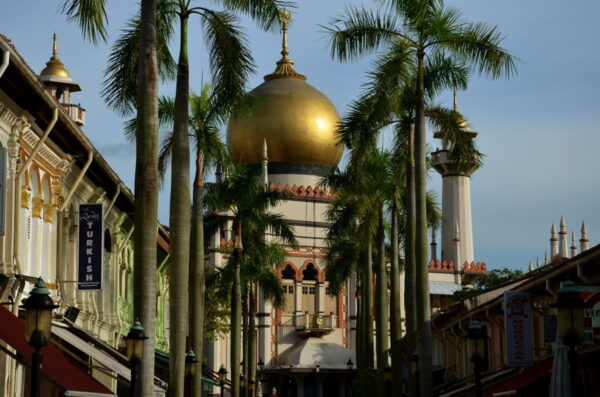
x=54, y=67
x=285, y=67
x=54, y=51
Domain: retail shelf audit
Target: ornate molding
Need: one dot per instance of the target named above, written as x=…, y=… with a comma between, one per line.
x=37, y=206
x=25, y=196
x=48, y=212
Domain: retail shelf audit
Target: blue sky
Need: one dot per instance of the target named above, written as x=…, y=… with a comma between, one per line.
x=540, y=131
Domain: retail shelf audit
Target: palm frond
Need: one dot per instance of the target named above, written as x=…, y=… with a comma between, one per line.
x=358, y=31
x=230, y=60
x=90, y=15
x=264, y=12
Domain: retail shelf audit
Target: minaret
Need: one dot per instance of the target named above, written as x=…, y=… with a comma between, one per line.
x=584, y=242
x=59, y=83
x=456, y=199
x=563, y=244
x=530, y=266
x=433, y=246
x=537, y=262
x=545, y=257
x=553, y=242
x=573, y=245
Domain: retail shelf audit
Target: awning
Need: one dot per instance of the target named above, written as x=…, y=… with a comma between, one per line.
x=107, y=361
x=529, y=376
x=57, y=366
x=443, y=288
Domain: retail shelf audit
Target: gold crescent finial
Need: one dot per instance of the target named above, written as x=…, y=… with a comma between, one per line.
x=285, y=67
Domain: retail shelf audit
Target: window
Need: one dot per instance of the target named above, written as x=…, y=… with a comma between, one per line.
x=308, y=290
x=287, y=289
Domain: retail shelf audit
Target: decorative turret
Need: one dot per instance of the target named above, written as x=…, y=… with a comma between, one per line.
x=545, y=257
x=563, y=244
x=537, y=262
x=553, y=242
x=584, y=242
x=531, y=266
x=456, y=198
x=573, y=245
x=59, y=82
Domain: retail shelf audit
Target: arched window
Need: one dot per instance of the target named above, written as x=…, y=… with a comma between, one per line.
x=288, y=276
x=309, y=288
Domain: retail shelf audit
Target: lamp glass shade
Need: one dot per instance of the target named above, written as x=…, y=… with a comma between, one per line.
x=135, y=349
x=38, y=323
x=570, y=324
x=222, y=375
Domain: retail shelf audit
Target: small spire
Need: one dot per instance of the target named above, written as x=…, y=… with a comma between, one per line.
x=285, y=67
x=433, y=237
x=573, y=245
x=584, y=242
x=265, y=155
x=553, y=230
x=545, y=257
x=456, y=232
x=563, y=225
x=530, y=266
x=537, y=262
x=54, y=50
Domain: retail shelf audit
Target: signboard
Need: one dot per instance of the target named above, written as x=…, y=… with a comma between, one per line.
x=91, y=247
x=517, y=318
x=591, y=313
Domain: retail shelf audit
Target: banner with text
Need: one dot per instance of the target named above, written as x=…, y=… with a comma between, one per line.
x=517, y=318
x=91, y=244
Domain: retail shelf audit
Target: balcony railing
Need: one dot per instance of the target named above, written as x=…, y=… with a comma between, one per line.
x=315, y=323
x=76, y=112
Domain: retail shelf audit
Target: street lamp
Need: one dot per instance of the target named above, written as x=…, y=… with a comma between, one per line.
x=38, y=323
x=476, y=335
x=251, y=387
x=261, y=366
x=350, y=364
x=569, y=309
x=387, y=379
x=190, y=371
x=222, y=379
x=242, y=383
x=135, y=351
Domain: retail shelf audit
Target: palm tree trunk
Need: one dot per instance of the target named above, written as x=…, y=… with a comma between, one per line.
x=236, y=311
x=421, y=254
x=252, y=334
x=245, y=344
x=396, y=306
x=410, y=303
x=196, y=292
x=146, y=192
x=381, y=319
x=368, y=306
x=179, y=222
x=360, y=329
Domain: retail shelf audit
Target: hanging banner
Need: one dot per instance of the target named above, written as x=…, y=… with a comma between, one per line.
x=517, y=318
x=591, y=313
x=91, y=244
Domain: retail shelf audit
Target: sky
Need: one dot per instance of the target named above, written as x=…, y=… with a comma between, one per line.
x=539, y=131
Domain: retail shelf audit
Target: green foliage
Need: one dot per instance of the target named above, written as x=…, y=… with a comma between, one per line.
x=216, y=308
x=488, y=281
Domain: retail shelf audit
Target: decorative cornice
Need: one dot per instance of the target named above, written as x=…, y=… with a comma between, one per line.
x=304, y=192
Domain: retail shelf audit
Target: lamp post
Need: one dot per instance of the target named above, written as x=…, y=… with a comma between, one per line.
x=190, y=371
x=242, y=383
x=261, y=366
x=476, y=336
x=38, y=323
x=222, y=379
x=135, y=351
x=251, y=384
x=569, y=309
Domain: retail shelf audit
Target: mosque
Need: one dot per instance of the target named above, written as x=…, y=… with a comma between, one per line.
x=307, y=347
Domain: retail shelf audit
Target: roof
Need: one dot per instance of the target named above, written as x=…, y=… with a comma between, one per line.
x=308, y=352
x=443, y=288
x=25, y=88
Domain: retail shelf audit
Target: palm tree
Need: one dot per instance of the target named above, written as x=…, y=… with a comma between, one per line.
x=244, y=195
x=429, y=29
x=91, y=16
x=230, y=64
x=205, y=117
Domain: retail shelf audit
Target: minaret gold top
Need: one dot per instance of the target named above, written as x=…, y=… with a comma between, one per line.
x=285, y=67
x=54, y=67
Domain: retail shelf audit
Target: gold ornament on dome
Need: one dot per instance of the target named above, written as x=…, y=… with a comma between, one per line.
x=54, y=67
x=298, y=122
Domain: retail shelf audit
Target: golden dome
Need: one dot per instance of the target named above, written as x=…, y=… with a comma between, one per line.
x=54, y=67
x=297, y=121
